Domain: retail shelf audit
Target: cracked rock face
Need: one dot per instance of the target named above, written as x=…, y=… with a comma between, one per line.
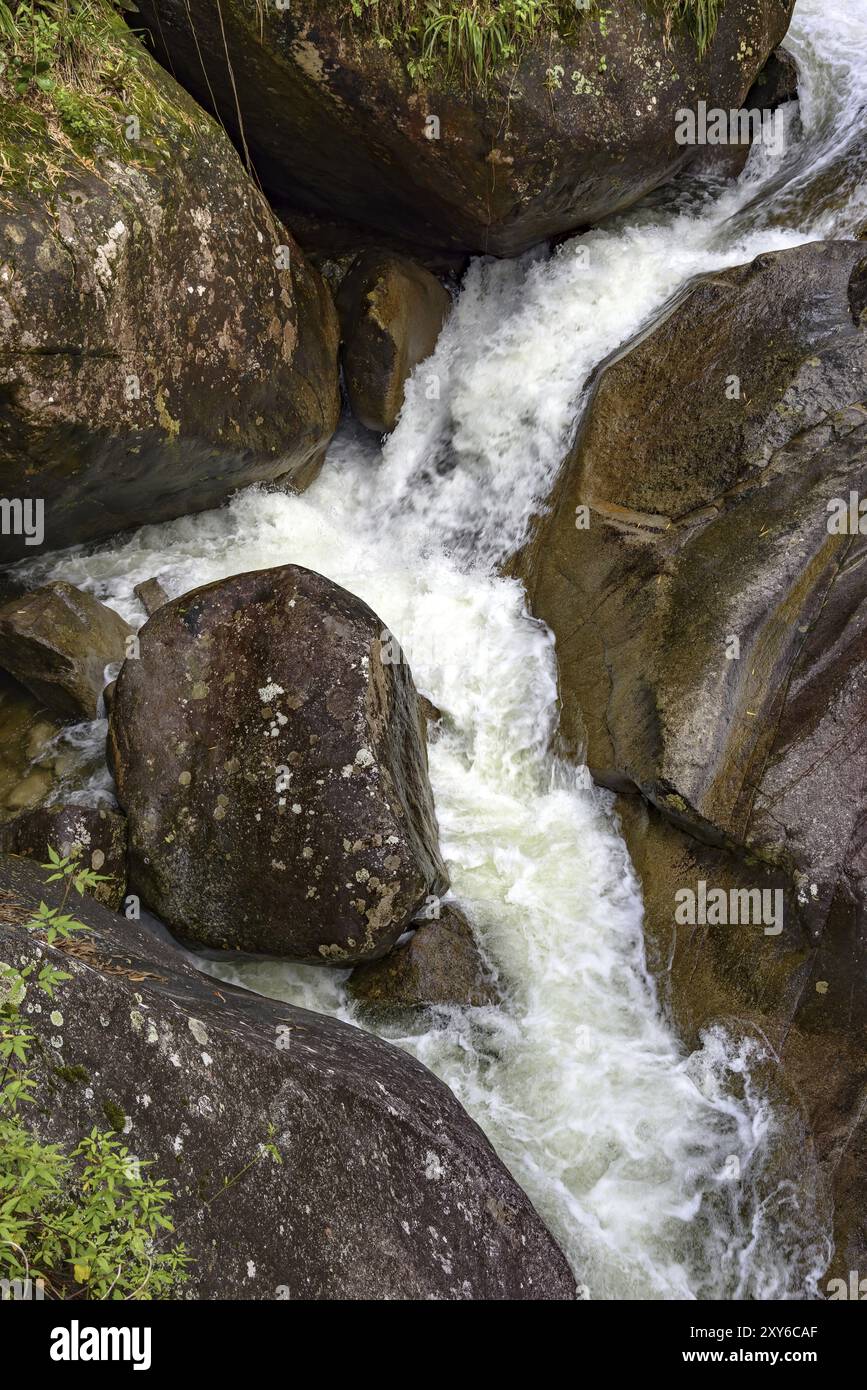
x=162, y=340
x=711, y=629
x=578, y=131
x=270, y=758
x=385, y=1188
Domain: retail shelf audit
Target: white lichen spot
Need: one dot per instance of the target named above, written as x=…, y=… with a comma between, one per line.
x=106, y=254
x=198, y=1031
x=267, y=692
x=433, y=1170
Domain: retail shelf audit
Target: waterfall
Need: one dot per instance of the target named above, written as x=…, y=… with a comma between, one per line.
x=623, y=1139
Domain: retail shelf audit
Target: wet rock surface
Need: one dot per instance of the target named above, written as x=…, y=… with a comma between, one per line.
x=273, y=769
x=151, y=595
x=709, y=614
x=27, y=729
x=439, y=964
x=58, y=641
x=384, y=1188
x=391, y=313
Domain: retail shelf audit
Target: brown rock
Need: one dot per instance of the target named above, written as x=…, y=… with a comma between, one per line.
x=274, y=773
x=351, y=1118
x=162, y=340
x=391, y=313
x=151, y=595
x=58, y=641
x=440, y=964
x=711, y=624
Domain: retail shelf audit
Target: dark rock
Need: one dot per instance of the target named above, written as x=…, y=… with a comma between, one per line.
x=712, y=643
x=26, y=731
x=708, y=509
x=92, y=835
x=274, y=773
x=440, y=964
x=58, y=641
x=391, y=313
x=151, y=595
x=776, y=84
x=580, y=128
x=386, y=1188
x=332, y=244
x=155, y=351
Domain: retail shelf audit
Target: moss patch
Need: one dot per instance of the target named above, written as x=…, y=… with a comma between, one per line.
x=72, y=1074
x=115, y=1116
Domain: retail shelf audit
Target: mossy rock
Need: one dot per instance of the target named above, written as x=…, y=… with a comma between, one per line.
x=201, y=1079
x=163, y=340
x=272, y=765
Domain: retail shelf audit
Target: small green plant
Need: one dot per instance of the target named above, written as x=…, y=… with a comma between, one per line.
x=86, y=1223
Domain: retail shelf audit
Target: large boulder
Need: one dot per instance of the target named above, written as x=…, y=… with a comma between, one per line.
x=391, y=313
x=689, y=555
x=58, y=641
x=162, y=339
x=581, y=126
x=707, y=588
x=382, y=1186
x=271, y=761
x=440, y=965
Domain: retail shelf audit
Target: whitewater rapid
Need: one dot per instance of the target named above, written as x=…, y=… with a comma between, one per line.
x=626, y=1143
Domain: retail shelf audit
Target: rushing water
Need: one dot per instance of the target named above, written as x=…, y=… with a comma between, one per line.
x=626, y=1143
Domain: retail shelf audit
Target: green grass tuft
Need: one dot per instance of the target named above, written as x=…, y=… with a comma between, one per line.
x=478, y=39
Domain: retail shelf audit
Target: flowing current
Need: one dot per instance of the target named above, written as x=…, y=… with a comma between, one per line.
x=626, y=1143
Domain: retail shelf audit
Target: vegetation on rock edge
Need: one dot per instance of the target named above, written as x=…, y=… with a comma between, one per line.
x=479, y=38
